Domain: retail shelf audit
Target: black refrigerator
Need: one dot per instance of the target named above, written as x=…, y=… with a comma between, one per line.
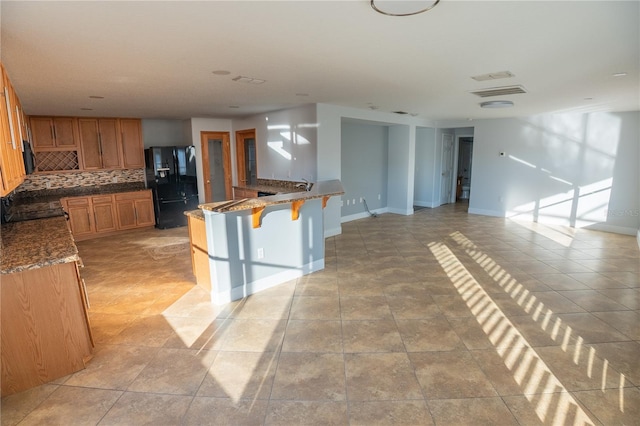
x=171, y=175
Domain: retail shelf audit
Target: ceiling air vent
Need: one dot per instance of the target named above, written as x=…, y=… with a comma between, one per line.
x=400, y=112
x=499, y=91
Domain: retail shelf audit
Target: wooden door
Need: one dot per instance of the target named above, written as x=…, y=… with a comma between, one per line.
x=246, y=157
x=208, y=141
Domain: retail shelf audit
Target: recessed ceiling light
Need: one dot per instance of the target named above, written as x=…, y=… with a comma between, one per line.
x=588, y=99
x=302, y=94
x=248, y=80
x=234, y=106
x=86, y=109
x=620, y=74
x=493, y=76
x=496, y=104
x=221, y=72
x=96, y=97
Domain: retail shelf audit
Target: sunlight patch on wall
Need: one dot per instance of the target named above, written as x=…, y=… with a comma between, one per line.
x=278, y=146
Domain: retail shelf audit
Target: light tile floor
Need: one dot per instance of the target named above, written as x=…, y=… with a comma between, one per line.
x=437, y=318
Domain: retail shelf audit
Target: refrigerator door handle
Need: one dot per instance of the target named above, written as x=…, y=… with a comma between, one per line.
x=173, y=201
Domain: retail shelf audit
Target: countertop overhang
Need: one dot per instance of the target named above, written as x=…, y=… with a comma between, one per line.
x=321, y=189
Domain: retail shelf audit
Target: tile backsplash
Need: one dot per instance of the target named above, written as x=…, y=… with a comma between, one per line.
x=37, y=182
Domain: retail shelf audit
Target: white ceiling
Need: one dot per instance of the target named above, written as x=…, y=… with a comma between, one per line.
x=155, y=59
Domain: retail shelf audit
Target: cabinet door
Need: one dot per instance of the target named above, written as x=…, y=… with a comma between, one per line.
x=89, y=143
x=53, y=132
x=126, y=213
x=64, y=132
x=134, y=209
x=145, y=215
x=42, y=132
x=79, y=211
x=109, y=143
x=103, y=213
x=132, y=146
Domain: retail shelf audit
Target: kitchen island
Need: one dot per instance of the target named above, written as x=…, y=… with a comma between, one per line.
x=256, y=243
x=45, y=326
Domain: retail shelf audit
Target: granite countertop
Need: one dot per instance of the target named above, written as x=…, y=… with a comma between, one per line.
x=196, y=214
x=29, y=205
x=318, y=190
x=35, y=244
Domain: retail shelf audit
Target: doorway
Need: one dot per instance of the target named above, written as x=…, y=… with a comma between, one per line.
x=216, y=166
x=446, y=181
x=465, y=158
x=246, y=158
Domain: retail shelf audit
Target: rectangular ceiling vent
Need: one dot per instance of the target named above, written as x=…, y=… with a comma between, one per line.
x=499, y=91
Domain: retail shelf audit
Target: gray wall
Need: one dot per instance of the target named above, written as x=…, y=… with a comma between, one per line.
x=156, y=132
x=365, y=156
x=424, y=185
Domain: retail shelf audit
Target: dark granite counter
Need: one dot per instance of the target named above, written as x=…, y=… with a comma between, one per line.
x=35, y=244
x=318, y=190
x=41, y=204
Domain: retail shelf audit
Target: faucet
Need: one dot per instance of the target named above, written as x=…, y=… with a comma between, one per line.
x=306, y=185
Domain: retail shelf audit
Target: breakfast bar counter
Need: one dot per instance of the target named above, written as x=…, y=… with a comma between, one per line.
x=253, y=244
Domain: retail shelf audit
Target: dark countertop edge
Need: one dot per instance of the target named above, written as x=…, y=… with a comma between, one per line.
x=319, y=190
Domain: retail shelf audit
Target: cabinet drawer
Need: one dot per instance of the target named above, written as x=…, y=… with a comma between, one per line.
x=102, y=199
x=138, y=195
x=82, y=201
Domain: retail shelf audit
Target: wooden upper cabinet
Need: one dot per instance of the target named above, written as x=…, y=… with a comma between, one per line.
x=109, y=136
x=12, y=171
x=100, y=143
x=54, y=132
x=89, y=143
x=132, y=146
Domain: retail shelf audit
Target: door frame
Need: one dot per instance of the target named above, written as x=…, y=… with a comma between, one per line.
x=241, y=135
x=225, y=137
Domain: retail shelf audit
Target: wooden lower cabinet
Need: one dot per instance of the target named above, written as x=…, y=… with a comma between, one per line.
x=98, y=215
x=241, y=193
x=45, y=326
x=80, y=211
x=104, y=214
x=199, y=254
x=134, y=209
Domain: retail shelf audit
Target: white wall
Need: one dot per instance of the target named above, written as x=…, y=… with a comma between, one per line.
x=572, y=169
x=286, y=143
x=192, y=129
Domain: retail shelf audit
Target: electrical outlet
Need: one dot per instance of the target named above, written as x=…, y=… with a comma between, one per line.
x=260, y=253
x=341, y=203
x=347, y=202
x=354, y=201
x=378, y=196
x=360, y=200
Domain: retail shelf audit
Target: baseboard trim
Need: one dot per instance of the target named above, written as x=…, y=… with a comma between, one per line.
x=220, y=298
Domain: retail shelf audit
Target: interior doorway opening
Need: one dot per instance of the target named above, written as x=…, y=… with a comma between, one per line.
x=465, y=160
